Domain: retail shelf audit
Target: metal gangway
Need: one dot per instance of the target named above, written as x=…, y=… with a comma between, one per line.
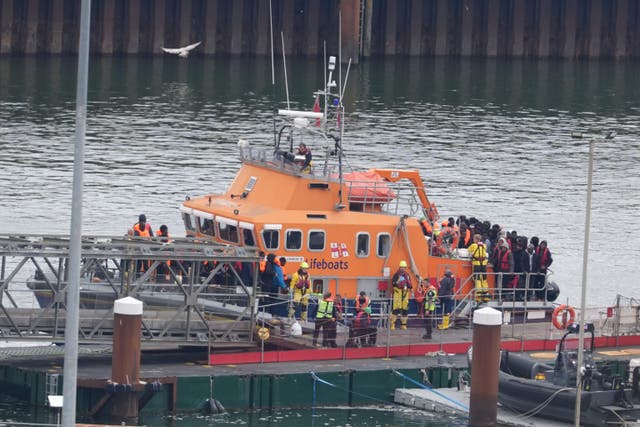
x=194, y=291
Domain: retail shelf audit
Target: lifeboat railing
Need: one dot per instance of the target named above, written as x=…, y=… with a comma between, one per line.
x=393, y=198
x=322, y=166
x=464, y=301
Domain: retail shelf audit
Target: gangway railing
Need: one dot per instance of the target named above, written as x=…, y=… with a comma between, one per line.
x=184, y=299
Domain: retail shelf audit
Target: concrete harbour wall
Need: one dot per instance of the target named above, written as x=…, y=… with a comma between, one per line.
x=502, y=28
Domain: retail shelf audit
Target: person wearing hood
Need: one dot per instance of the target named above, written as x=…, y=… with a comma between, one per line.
x=503, y=264
x=544, y=261
x=446, y=292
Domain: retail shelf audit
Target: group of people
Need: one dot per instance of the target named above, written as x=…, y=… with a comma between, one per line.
x=522, y=262
x=425, y=296
x=518, y=259
x=143, y=229
x=274, y=280
x=227, y=274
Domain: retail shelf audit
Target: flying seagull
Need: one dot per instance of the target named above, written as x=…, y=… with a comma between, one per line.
x=182, y=52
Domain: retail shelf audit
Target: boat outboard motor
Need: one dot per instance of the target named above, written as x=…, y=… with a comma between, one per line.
x=566, y=365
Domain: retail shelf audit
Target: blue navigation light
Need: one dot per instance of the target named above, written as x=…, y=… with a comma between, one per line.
x=336, y=101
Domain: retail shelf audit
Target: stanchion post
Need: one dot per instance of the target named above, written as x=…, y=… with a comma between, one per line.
x=485, y=363
x=125, y=363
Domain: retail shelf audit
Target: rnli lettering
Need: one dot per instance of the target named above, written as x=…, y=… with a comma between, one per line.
x=323, y=264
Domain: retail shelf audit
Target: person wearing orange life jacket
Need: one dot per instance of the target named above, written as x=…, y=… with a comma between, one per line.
x=300, y=286
x=262, y=266
x=465, y=236
x=362, y=302
x=418, y=297
x=402, y=288
x=163, y=233
x=446, y=238
x=479, y=260
x=427, y=229
x=455, y=234
x=141, y=228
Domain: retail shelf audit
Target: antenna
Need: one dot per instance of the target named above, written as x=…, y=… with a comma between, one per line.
x=341, y=123
x=284, y=64
x=340, y=54
x=273, y=75
x=324, y=46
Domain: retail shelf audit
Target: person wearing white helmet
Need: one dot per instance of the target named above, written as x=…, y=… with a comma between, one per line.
x=300, y=288
x=401, y=282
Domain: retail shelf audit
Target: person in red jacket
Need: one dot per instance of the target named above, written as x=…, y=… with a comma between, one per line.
x=544, y=260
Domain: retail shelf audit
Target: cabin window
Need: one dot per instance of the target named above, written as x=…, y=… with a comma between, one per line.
x=362, y=244
x=246, y=231
x=189, y=224
x=247, y=237
x=271, y=238
x=384, y=245
x=206, y=226
x=316, y=240
x=293, y=240
x=228, y=232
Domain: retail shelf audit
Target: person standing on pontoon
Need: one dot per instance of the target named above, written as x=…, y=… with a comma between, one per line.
x=325, y=317
x=301, y=289
x=142, y=229
x=401, y=282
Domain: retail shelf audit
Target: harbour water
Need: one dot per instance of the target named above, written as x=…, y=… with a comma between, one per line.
x=492, y=139
x=12, y=410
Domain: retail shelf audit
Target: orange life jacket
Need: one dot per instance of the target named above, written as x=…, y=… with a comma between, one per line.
x=361, y=306
x=467, y=238
x=427, y=227
x=419, y=293
x=142, y=233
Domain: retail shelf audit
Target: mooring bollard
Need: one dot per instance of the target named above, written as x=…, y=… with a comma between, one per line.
x=125, y=362
x=485, y=362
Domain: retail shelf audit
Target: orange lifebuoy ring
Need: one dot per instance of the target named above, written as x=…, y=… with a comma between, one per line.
x=563, y=316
